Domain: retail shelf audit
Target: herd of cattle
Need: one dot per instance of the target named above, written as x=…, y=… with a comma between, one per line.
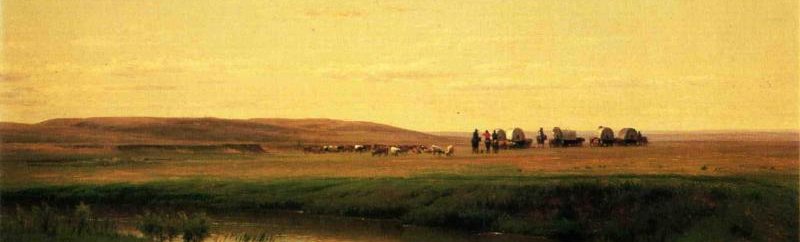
x=605, y=136
x=382, y=150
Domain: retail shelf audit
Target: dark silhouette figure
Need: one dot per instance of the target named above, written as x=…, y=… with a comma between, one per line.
x=487, y=140
x=476, y=140
x=495, y=142
x=541, y=138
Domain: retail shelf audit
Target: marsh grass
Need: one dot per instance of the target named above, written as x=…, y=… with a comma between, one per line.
x=166, y=226
x=567, y=208
x=257, y=237
x=46, y=223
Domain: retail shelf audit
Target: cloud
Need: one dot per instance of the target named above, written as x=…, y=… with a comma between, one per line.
x=608, y=83
x=20, y=96
x=335, y=13
x=16, y=92
x=419, y=71
x=142, y=88
x=13, y=77
x=502, y=85
x=354, y=12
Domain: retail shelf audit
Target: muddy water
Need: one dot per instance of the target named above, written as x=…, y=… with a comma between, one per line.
x=290, y=226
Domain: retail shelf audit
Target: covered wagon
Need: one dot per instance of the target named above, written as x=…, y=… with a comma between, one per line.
x=502, y=139
x=518, y=139
x=605, y=137
x=501, y=134
x=565, y=137
x=629, y=136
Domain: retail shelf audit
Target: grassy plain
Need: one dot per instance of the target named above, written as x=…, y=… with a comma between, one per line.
x=677, y=190
x=24, y=165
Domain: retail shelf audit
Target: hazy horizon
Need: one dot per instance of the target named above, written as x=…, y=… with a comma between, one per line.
x=528, y=129
x=426, y=66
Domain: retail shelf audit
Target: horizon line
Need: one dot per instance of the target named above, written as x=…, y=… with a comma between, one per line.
x=795, y=130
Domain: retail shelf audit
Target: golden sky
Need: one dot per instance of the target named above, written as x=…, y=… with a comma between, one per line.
x=425, y=65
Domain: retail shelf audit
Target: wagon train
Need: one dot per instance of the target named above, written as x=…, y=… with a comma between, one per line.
x=605, y=137
x=518, y=140
x=624, y=137
x=565, y=138
x=629, y=136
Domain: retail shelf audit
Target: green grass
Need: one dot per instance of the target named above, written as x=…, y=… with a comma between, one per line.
x=46, y=223
x=615, y=208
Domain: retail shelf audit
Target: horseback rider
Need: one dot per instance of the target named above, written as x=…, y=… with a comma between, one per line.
x=487, y=140
x=541, y=138
x=495, y=142
x=476, y=140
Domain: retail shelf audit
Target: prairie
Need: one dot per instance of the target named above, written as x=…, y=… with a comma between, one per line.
x=732, y=186
x=50, y=164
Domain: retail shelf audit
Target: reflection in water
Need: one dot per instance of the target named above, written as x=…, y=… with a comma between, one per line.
x=289, y=226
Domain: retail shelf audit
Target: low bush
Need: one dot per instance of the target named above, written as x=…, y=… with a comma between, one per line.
x=46, y=223
x=166, y=226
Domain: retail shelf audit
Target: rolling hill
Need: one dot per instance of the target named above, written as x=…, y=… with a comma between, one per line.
x=147, y=130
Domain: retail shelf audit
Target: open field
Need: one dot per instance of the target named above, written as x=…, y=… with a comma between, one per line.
x=47, y=164
x=722, y=189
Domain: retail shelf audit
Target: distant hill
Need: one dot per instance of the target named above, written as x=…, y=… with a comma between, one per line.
x=146, y=130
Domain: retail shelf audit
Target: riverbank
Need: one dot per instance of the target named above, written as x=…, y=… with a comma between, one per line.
x=620, y=207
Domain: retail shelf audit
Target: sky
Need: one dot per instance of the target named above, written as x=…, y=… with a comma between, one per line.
x=423, y=65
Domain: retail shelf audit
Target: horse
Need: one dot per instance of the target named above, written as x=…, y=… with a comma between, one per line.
x=595, y=142
x=476, y=142
x=540, y=140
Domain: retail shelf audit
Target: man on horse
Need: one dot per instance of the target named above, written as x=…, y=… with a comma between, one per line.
x=495, y=142
x=476, y=140
x=541, y=137
x=487, y=140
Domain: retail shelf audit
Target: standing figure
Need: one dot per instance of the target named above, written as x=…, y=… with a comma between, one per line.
x=495, y=142
x=487, y=140
x=476, y=140
x=541, y=137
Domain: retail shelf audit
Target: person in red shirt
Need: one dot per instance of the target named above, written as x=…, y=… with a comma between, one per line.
x=487, y=140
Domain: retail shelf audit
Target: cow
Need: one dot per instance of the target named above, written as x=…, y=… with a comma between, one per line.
x=312, y=149
x=380, y=151
x=449, y=151
x=348, y=148
x=436, y=150
x=359, y=148
x=395, y=151
x=332, y=148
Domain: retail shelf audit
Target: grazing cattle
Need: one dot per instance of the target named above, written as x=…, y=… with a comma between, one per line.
x=394, y=151
x=424, y=149
x=380, y=151
x=312, y=149
x=449, y=151
x=359, y=148
x=436, y=150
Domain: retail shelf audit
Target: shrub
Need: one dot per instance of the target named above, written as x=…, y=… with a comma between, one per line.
x=46, y=223
x=167, y=226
